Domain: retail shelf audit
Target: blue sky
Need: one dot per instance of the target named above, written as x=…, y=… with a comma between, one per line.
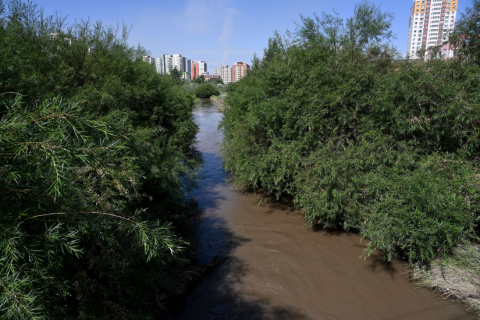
x=217, y=31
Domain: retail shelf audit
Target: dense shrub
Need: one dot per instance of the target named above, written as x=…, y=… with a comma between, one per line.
x=95, y=160
x=361, y=140
x=206, y=90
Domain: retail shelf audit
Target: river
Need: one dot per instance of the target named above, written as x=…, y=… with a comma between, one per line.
x=279, y=269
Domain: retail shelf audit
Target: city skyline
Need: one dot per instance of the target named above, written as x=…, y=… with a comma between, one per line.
x=220, y=32
x=192, y=69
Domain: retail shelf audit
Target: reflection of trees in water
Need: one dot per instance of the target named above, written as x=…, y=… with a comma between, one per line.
x=216, y=298
x=213, y=294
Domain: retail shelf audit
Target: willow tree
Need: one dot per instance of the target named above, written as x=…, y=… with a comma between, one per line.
x=95, y=161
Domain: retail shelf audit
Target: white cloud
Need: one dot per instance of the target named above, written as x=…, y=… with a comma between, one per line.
x=227, y=30
x=225, y=54
x=228, y=26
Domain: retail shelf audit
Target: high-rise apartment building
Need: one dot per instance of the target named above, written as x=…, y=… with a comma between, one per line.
x=188, y=65
x=239, y=70
x=225, y=72
x=186, y=76
x=164, y=64
x=178, y=62
x=198, y=67
x=430, y=23
x=168, y=62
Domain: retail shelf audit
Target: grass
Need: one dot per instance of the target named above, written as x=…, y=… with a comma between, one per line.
x=220, y=101
x=457, y=277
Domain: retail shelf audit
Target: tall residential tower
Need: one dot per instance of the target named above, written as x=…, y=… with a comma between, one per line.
x=225, y=72
x=168, y=62
x=430, y=22
x=198, y=67
x=239, y=70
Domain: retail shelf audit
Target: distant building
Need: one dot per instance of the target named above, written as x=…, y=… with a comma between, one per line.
x=57, y=35
x=54, y=35
x=239, y=70
x=198, y=67
x=164, y=64
x=168, y=62
x=429, y=25
x=149, y=59
x=225, y=72
x=188, y=65
x=445, y=51
x=186, y=76
x=178, y=62
x=211, y=77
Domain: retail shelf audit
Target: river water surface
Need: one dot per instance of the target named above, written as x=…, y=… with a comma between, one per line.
x=279, y=269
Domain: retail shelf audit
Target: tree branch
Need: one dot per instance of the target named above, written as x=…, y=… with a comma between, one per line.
x=23, y=95
x=92, y=212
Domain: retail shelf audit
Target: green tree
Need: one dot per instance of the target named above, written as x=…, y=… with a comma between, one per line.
x=465, y=37
x=200, y=79
x=360, y=140
x=206, y=90
x=368, y=30
x=176, y=76
x=66, y=179
x=96, y=160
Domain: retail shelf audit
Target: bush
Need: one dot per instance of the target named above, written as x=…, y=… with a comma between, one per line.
x=95, y=161
x=361, y=141
x=206, y=90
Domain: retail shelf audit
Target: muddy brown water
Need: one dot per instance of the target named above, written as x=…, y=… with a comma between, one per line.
x=279, y=269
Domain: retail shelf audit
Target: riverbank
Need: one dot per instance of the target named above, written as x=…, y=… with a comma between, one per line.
x=220, y=102
x=278, y=268
x=368, y=144
x=456, y=277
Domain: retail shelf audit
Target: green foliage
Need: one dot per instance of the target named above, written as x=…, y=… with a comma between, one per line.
x=465, y=37
x=423, y=213
x=190, y=86
x=95, y=161
x=361, y=141
x=206, y=90
x=176, y=76
x=367, y=30
x=200, y=79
